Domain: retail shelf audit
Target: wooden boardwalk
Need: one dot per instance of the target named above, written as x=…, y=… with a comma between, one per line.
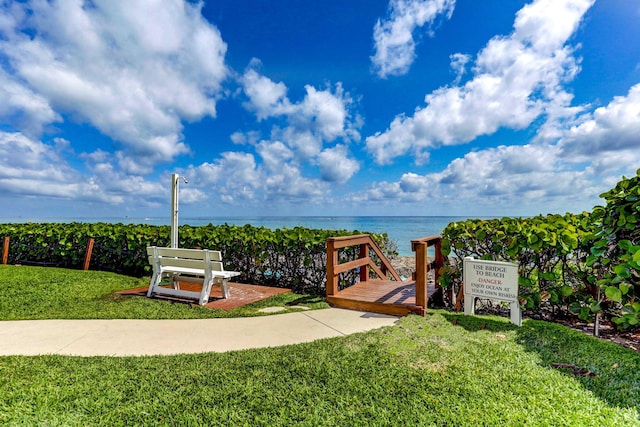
x=381, y=296
x=240, y=294
x=380, y=289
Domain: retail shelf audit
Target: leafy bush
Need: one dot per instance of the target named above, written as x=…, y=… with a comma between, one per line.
x=543, y=247
x=587, y=264
x=292, y=258
x=616, y=250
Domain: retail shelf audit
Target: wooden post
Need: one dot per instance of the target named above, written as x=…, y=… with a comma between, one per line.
x=421, y=275
x=364, y=270
x=5, y=251
x=87, y=255
x=332, y=262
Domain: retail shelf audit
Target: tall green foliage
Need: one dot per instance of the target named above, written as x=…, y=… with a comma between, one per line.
x=543, y=247
x=588, y=263
x=616, y=249
x=294, y=258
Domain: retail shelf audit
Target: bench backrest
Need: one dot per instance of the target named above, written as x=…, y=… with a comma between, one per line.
x=185, y=258
x=184, y=253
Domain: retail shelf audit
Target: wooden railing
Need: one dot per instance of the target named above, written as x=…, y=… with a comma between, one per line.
x=364, y=261
x=87, y=254
x=5, y=251
x=423, y=266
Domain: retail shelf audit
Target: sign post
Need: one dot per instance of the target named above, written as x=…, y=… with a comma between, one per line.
x=494, y=280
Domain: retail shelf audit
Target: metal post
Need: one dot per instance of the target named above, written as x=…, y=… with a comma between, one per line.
x=174, y=207
x=174, y=210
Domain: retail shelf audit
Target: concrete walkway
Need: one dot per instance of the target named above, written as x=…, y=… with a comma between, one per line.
x=164, y=337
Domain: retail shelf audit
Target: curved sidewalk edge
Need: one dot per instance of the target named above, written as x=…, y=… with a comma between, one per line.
x=124, y=337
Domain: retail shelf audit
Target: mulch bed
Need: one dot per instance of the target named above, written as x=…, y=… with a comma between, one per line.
x=240, y=295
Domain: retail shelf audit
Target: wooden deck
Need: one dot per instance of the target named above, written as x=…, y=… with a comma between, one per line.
x=240, y=295
x=381, y=296
x=380, y=289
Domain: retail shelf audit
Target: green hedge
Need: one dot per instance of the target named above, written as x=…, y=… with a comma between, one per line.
x=615, y=252
x=586, y=264
x=293, y=258
x=546, y=249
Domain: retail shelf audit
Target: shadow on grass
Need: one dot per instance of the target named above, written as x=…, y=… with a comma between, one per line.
x=609, y=371
x=307, y=299
x=477, y=323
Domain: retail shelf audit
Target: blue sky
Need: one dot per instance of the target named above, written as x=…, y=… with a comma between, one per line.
x=333, y=107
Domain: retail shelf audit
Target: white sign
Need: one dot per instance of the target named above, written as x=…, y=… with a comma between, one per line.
x=491, y=280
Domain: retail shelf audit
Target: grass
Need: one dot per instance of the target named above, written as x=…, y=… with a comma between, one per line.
x=54, y=293
x=423, y=371
x=445, y=369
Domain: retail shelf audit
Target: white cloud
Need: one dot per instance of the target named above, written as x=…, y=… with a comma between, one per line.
x=528, y=179
x=239, y=178
x=274, y=154
x=336, y=166
x=305, y=143
x=516, y=79
x=22, y=157
x=266, y=97
x=322, y=116
x=133, y=70
x=31, y=168
x=243, y=138
x=323, y=112
x=459, y=63
x=563, y=172
x=289, y=184
x=393, y=38
x=235, y=177
x=28, y=110
x=609, y=136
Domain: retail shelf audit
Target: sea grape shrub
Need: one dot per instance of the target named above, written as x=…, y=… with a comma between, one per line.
x=587, y=264
x=543, y=247
x=41, y=244
x=120, y=248
x=616, y=250
x=293, y=258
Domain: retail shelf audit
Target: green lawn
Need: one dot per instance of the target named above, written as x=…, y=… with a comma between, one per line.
x=55, y=293
x=424, y=371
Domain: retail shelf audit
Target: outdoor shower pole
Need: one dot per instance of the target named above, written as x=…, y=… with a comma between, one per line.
x=174, y=208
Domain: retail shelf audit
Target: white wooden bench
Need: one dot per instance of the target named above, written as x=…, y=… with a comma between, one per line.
x=200, y=266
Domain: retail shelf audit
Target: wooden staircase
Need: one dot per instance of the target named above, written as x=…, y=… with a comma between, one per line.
x=361, y=284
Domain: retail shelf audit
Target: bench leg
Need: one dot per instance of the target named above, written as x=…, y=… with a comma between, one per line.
x=225, y=288
x=155, y=280
x=175, y=284
x=206, y=291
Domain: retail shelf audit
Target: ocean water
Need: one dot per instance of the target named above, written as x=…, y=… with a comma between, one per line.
x=400, y=229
